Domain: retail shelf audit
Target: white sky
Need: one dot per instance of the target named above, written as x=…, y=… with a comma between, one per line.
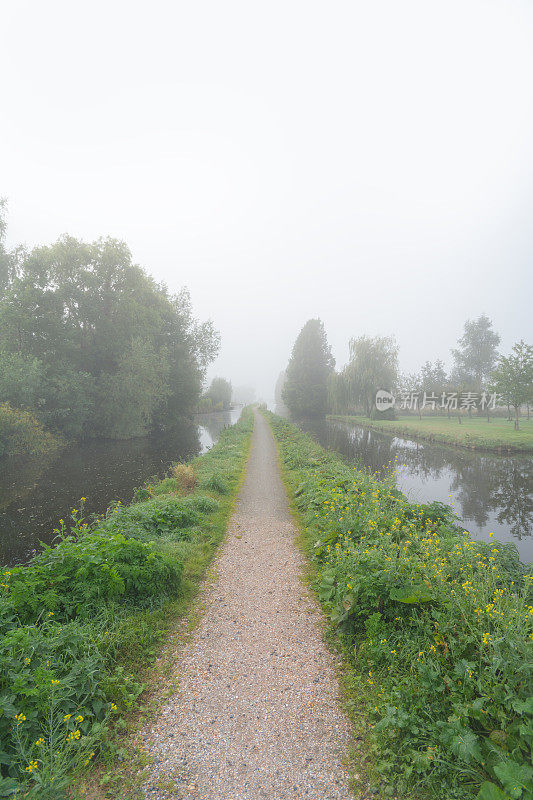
x=370, y=162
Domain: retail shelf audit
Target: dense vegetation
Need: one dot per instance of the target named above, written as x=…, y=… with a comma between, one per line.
x=90, y=345
x=22, y=434
x=306, y=380
x=217, y=397
x=81, y=620
x=436, y=628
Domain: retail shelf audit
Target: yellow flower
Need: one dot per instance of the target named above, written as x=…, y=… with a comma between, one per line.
x=31, y=766
x=66, y=717
x=79, y=718
x=20, y=718
x=113, y=707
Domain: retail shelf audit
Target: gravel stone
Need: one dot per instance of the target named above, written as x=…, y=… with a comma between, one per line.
x=255, y=715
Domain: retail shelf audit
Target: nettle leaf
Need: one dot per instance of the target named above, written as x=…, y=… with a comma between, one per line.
x=489, y=791
x=515, y=777
x=465, y=745
x=412, y=593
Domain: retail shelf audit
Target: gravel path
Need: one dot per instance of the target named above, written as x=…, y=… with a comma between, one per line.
x=255, y=715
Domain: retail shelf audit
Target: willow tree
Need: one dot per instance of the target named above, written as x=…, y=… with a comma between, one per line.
x=305, y=391
x=373, y=365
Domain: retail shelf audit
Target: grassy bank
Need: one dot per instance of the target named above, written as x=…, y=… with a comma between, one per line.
x=436, y=629
x=83, y=620
x=472, y=432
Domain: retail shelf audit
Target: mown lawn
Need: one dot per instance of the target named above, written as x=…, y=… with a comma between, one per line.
x=474, y=432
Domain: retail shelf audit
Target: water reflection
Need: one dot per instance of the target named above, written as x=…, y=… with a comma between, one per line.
x=212, y=425
x=35, y=494
x=489, y=492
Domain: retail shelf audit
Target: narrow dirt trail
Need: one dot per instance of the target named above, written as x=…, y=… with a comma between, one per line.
x=255, y=715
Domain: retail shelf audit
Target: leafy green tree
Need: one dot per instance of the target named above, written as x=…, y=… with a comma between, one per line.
x=476, y=355
x=219, y=393
x=129, y=397
x=513, y=377
x=305, y=391
x=120, y=355
x=373, y=365
x=21, y=380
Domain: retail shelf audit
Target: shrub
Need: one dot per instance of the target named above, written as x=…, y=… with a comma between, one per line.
x=160, y=516
x=77, y=576
x=185, y=476
x=22, y=434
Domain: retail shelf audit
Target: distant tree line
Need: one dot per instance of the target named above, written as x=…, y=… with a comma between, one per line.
x=217, y=397
x=92, y=346
x=311, y=387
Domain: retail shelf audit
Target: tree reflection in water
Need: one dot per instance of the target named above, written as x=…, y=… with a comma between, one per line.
x=490, y=493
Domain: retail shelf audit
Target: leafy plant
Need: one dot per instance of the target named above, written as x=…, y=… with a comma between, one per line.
x=437, y=626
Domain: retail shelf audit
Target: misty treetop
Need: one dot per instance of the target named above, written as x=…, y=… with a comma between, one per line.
x=476, y=355
x=93, y=345
x=305, y=390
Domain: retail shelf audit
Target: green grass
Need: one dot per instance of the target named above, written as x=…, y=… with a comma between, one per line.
x=474, y=432
x=82, y=624
x=435, y=629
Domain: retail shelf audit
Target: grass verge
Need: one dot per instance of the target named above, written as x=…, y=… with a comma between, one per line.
x=474, y=433
x=81, y=623
x=436, y=629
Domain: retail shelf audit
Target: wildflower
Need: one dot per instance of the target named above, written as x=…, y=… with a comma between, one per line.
x=113, y=707
x=79, y=718
x=67, y=717
x=20, y=718
x=31, y=766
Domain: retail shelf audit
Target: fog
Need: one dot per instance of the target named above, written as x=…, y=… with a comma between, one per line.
x=367, y=163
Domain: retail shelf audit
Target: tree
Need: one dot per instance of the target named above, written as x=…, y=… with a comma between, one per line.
x=4, y=255
x=476, y=355
x=21, y=380
x=120, y=356
x=311, y=363
x=219, y=393
x=513, y=377
x=373, y=365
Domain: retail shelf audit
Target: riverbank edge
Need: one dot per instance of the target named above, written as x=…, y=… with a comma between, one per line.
x=148, y=636
x=474, y=442
x=121, y=776
x=358, y=691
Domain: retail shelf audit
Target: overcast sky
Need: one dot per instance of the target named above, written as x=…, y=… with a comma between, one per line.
x=369, y=162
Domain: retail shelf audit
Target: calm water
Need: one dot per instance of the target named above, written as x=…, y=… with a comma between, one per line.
x=490, y=493
x=35, y=494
